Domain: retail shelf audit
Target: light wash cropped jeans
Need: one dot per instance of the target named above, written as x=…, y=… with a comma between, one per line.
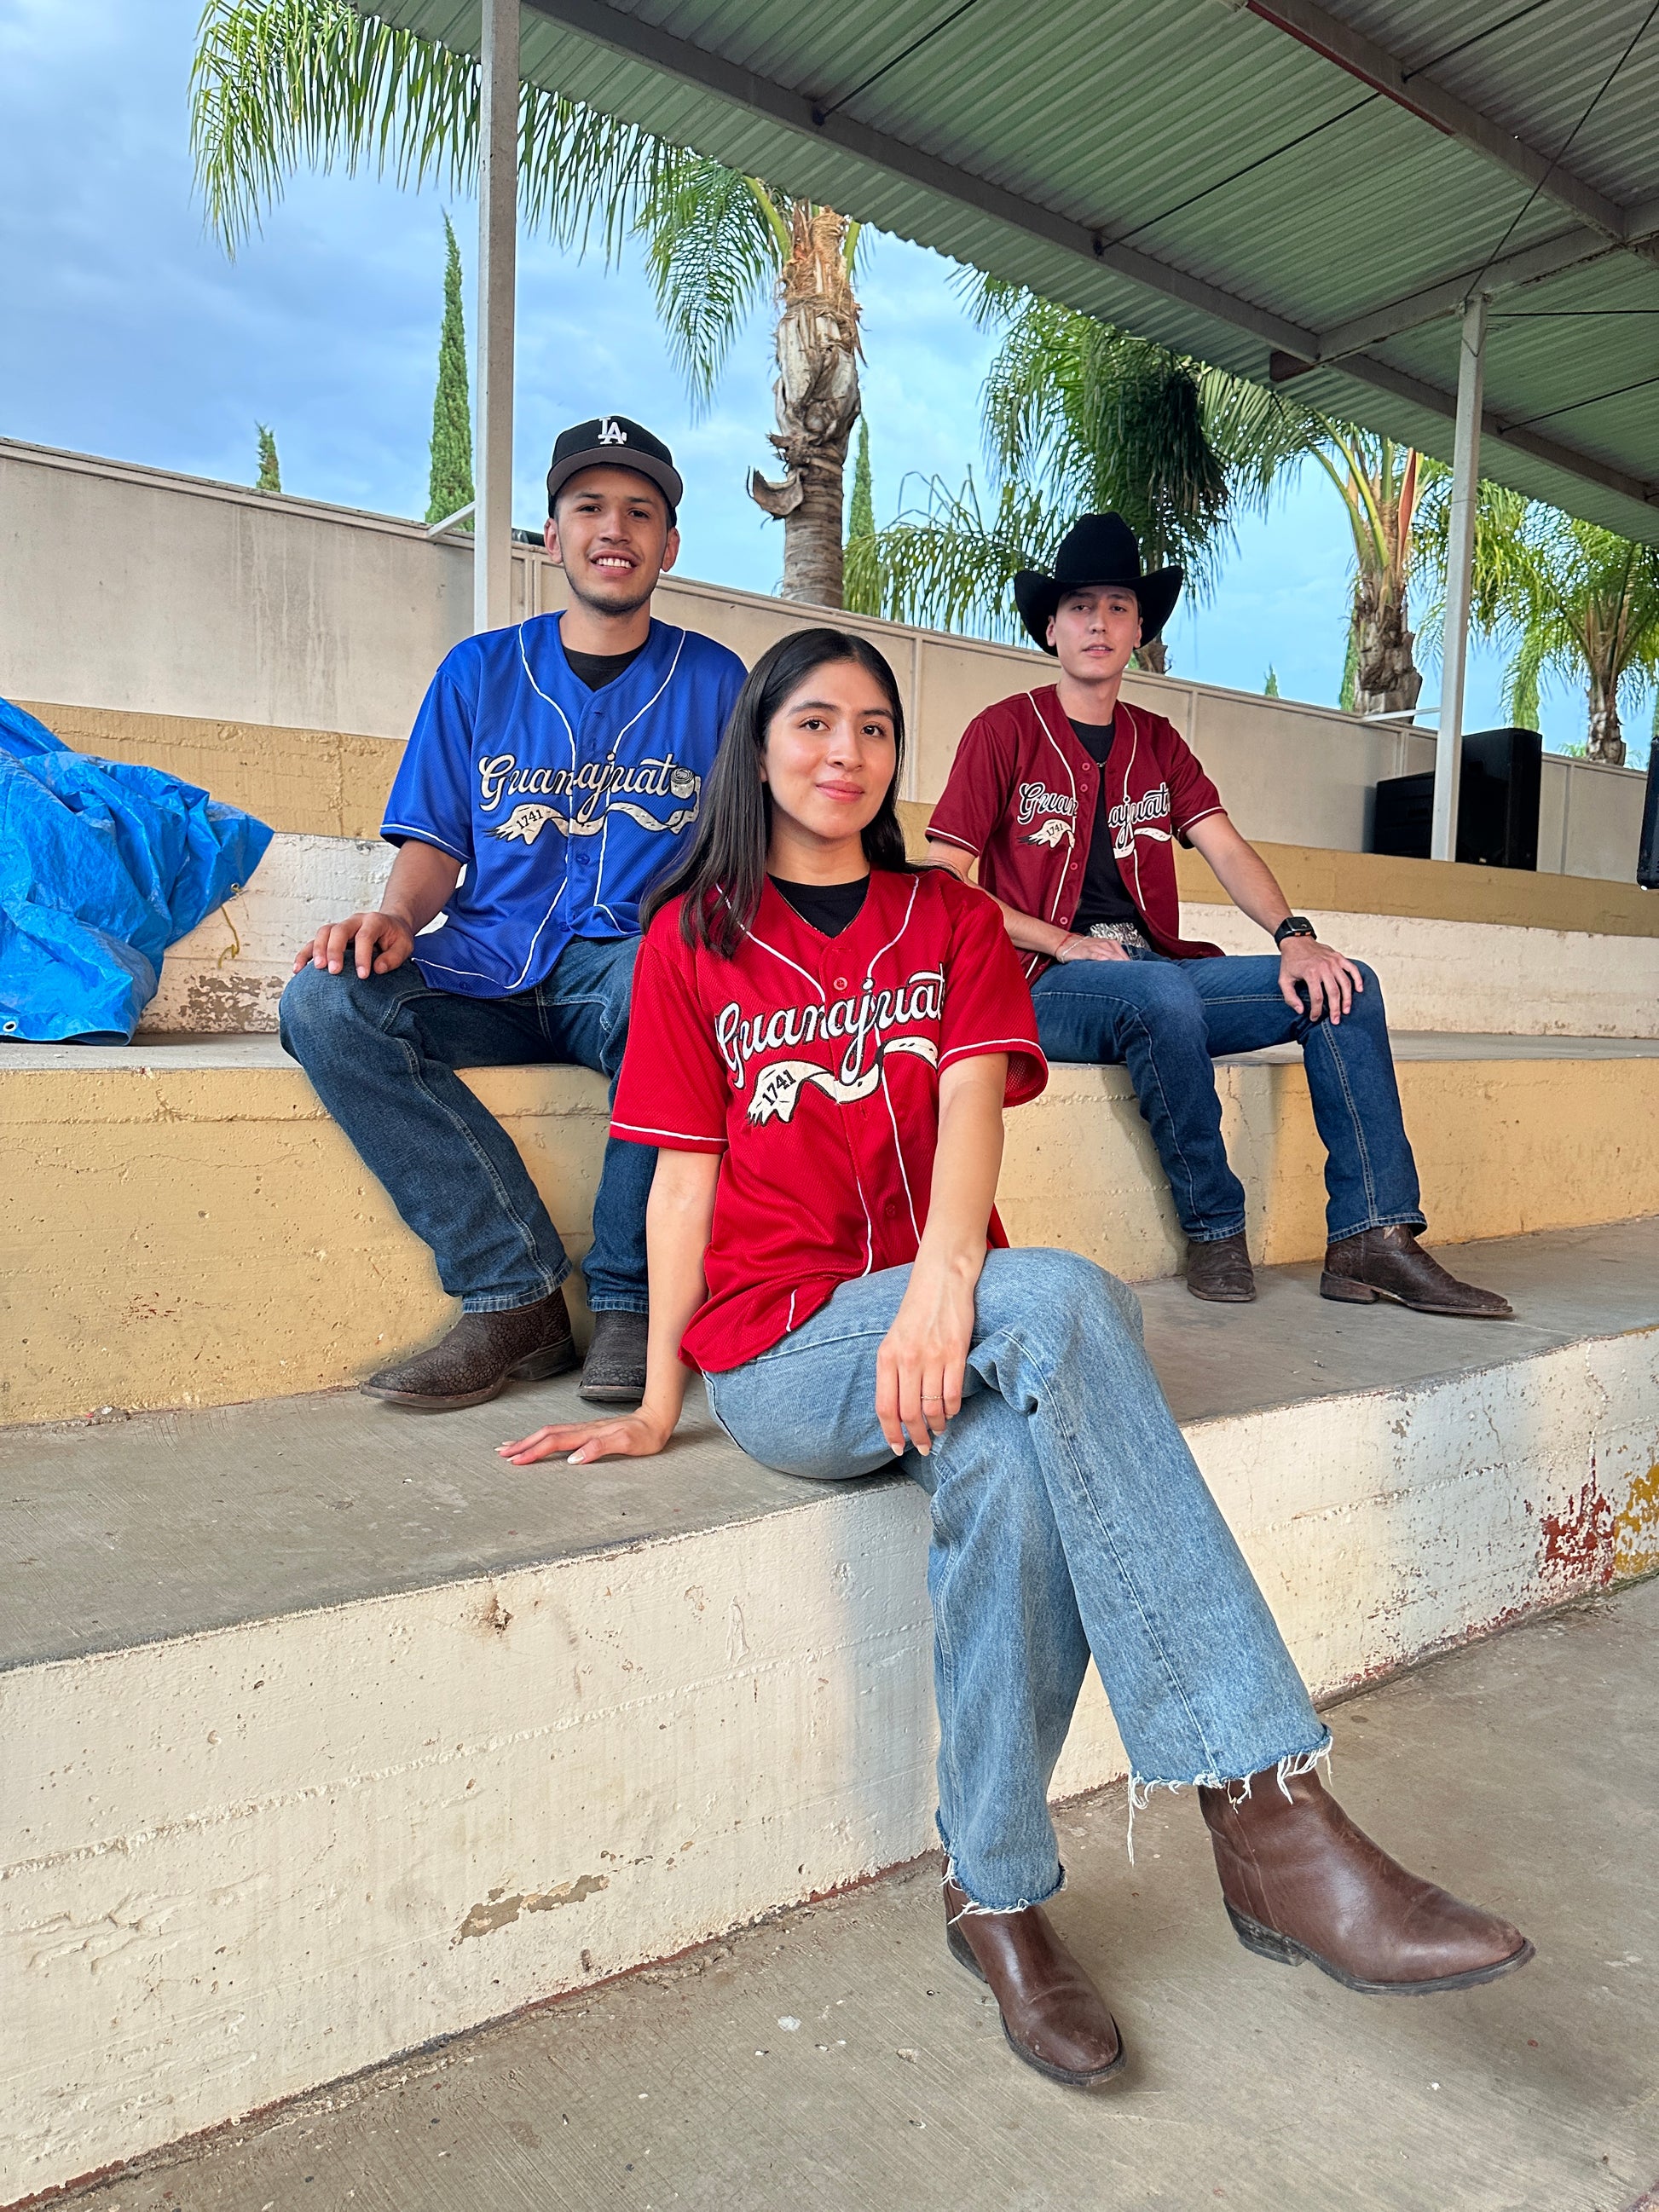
x=1068, y=1518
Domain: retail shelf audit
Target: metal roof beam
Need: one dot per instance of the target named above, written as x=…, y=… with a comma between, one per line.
x=1572, y=250
x=640, y=41
x=1383, y=376
x=1373, y=65
x=691, y=64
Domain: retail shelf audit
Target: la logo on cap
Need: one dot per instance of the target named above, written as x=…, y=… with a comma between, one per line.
x=612, y=431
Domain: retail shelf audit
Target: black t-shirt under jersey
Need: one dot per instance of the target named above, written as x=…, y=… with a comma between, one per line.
x=827, y=908
x=1105, y=898
x=596, y=670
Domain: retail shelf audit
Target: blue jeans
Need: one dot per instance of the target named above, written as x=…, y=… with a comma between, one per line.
x=1068, y=1518
x=381, y=1052
x=1166, y=1020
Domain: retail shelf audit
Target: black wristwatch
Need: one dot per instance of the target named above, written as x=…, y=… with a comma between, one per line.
x=1294, y=924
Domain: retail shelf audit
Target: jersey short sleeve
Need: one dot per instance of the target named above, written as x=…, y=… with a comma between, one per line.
x=673, y=1089
x=431, y=797
x=1191, y=794
x=987, y=1006
x=977, y=791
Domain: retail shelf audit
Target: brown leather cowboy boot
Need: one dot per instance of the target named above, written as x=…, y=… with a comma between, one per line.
x=1220, y=1270
x=1052, y=2015
x=1390, y=1263
x=1302, y=1882
x=477, y=1359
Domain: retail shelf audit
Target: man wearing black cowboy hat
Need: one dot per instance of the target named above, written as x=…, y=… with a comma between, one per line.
x=559, y=762
x=1068, y=797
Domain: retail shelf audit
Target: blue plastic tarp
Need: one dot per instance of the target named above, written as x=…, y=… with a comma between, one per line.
x=103, y=864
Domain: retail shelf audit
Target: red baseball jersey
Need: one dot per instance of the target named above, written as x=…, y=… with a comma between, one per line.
x=1023, y=797
x=813, y=1063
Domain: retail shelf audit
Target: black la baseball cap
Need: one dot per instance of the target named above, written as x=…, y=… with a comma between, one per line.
x=614, y=441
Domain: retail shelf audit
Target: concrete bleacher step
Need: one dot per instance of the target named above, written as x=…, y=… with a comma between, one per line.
x=329, y=1733
x=1497, y=978
x=187, y=1226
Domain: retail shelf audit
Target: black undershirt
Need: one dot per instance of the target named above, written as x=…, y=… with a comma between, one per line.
x=596, y=670
x=1104, y=897
x=827, y=908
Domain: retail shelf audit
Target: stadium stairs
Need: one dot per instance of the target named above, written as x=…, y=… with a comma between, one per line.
x=326, y=1733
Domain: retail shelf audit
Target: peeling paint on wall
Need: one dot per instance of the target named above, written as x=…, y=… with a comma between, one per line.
x=1576, y=1545
x=498, y=1909
x=1635, y=1532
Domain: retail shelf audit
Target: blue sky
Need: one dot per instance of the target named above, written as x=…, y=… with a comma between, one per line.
x=132, y=335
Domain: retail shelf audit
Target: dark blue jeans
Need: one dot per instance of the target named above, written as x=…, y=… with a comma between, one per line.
x=381, y=1053
x=1166, y=1020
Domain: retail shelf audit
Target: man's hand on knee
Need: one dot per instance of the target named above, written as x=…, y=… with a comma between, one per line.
x=377, y=943
x=1329, y=979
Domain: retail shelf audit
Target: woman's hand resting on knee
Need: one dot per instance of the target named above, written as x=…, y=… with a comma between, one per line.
x=923, y=1360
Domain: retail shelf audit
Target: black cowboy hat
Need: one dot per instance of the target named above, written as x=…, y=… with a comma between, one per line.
x=1101, y=549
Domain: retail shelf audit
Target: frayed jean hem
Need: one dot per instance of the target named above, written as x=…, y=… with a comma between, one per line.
x=1285, y=1770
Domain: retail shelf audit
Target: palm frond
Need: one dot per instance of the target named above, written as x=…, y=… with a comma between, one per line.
x=280, y=85
x=712, y=252
x=947, y=563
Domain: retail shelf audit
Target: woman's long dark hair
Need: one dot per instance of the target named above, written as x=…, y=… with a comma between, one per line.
x=721, y=878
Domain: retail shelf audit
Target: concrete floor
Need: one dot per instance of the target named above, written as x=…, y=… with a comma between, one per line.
x=833, y=2059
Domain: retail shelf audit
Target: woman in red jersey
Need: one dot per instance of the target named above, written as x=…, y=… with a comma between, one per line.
x=824, y=1040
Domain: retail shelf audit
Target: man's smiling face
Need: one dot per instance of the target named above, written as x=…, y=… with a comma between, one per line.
x=610, y=532
x=1094, y=631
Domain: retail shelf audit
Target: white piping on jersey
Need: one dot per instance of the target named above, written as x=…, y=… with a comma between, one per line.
x=1134, y=842
x=790, y=1322
x=870, y=981
x=524, y=662
x=1060, y=886
x=426, y=837
x=686, y=1136
x=604, y=834
x=755, y=938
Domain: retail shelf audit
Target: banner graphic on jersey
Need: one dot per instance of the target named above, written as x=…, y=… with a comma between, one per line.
x=778, y=1088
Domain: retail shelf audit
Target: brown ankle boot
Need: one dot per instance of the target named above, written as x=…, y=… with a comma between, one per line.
x=1302, y=1882
x=1052, y=2015
x=1390, y=1263
x=480, y=1355
x=1220, y=1271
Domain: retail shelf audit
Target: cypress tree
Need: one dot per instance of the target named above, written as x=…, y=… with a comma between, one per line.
x=861, y=514
x=270, y=478
x=450, y=484
x=1270, y=689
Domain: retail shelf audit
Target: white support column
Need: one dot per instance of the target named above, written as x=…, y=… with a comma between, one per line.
x=498, y=218
x=1460, y=563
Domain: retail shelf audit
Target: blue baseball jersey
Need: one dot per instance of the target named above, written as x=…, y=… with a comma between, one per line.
x=563, y=804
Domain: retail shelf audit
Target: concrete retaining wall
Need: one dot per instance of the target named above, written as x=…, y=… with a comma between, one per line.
x=246, y=1861
x=130, y=588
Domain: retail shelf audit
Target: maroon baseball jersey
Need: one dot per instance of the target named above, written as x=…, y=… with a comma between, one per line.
x=812, y=1063
x=1023, y=797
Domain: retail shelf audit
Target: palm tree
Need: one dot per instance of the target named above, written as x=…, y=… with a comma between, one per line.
x=277, y=84
x=1568, y=598
x=1378, y=482
x=1078, y=416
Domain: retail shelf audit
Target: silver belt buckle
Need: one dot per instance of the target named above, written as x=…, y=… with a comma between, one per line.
x=1120, y=932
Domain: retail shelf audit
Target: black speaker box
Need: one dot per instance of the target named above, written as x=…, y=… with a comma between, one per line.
x=1647, y=863
x=1497, y=804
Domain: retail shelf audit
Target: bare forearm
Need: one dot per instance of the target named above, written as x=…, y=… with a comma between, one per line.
x=421, y=882
x=1240, y=869
x=966, y=1165
x=677, y=1220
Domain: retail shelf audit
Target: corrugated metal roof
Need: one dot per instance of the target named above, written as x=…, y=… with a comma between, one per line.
x=1227, y=152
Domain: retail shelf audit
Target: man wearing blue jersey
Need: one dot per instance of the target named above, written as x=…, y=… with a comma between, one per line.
x=558, y=763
